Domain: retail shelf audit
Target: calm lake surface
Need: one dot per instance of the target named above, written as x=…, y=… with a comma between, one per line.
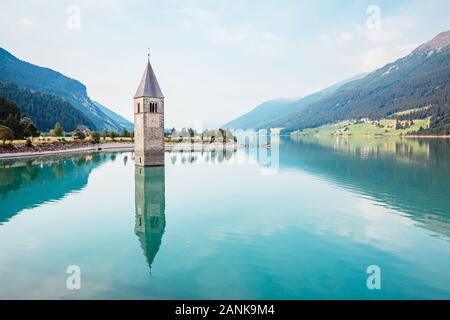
x=302, y=222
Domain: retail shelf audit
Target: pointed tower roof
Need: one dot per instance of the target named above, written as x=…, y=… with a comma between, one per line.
x=149, y=86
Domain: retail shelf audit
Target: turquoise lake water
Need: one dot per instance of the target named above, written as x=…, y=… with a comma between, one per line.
x=301, y=222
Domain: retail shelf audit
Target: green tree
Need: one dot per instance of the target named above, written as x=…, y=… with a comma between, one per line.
x=113, y=135
x=125, y=133
x=204, y=134
x=105, y=134
x=58, y=130
x=223, y=133
x=13, y=122
x=12, y=117
x=191, y=134
x=95, y=137
x=31, y=130
x=6, y=134
x=28, y=142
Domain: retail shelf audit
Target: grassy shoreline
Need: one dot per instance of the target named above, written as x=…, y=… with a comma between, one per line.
x=372, y=136
x=369, y=128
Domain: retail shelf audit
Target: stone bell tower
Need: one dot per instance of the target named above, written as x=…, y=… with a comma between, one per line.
x=149, y=121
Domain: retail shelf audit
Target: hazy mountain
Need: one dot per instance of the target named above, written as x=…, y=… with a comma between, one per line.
x=261, y=114
x=420, y=79
x=275, y=110
x=27, y=75
x=116, y=117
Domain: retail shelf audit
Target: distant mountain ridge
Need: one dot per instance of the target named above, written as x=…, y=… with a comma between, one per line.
x=420, y=79
x=35, y=78
x=438, y=43
x=275, y=110
x=125, y=123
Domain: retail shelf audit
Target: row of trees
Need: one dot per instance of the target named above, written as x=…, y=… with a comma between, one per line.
x=95, y=136
x=439, y=122
x=13, y=123
x=81, y=132
x=50, y=112
x=222, y=135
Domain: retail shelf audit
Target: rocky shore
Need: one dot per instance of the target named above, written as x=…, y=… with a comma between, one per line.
x=41, y=149
x=58, y=147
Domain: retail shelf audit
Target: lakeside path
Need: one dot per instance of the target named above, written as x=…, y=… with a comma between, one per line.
x=113, y=146
x=119, y=146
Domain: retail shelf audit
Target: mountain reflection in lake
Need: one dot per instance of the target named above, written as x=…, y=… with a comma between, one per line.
x=213, y=224
x=410, y=175
x=29, y=183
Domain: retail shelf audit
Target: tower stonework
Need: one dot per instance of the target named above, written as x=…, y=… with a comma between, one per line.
x=149, y=121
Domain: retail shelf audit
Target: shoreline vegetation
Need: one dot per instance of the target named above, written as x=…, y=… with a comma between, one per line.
x=20, y=150
x=74, y=147
x=400, y=124
x=51, y=148
x=369, y=136
x=415, y=123
x=58, y=141
x=26, y=141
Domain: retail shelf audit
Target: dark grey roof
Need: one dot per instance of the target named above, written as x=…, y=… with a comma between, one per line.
x=149, y=86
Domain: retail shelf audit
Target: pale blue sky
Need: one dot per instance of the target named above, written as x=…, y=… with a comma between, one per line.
x=215, y=59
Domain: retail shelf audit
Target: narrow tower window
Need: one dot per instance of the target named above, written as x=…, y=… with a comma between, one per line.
x=139, y=108
x=153, y=107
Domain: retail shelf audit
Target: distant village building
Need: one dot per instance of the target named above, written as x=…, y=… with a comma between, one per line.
x=365, y=120
x=149, y=121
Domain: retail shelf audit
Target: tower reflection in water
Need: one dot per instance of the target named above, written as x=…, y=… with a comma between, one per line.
x=150, y=206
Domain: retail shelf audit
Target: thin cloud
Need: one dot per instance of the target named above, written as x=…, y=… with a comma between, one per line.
x=25, y=23
x=392, y=29
x=376, y=57
x=194, y=11
x=267, y=44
